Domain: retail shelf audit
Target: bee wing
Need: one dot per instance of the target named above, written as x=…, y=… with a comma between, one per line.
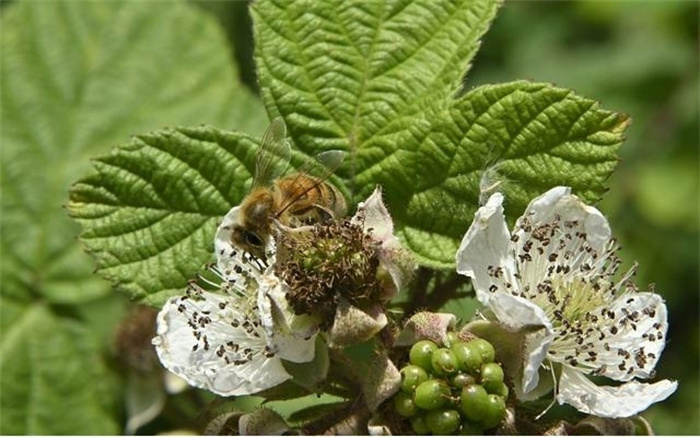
x=331, y=160
x=322, y=166
x=273, y=154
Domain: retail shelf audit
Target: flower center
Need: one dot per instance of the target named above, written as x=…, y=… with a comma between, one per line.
x=568, y=300
x=571, y=279
x=561, y=271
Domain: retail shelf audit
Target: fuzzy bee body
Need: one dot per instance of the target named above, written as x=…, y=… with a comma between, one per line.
x=294, y=200
x=316, y=200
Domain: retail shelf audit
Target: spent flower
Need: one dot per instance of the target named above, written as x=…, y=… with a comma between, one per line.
x=554, y=278
x=343, y=272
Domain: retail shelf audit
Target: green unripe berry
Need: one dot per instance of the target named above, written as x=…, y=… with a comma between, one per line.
x=431, y=394
x=462, y=380
x=495, y=411
x=470, y=428
x=501, y=390
x=419, y=426
x=442, y=422
x=421, y=354
x=469, y=358
x=444, y=362
x=411, y=377
x=474, y=402
x=404, y=406
x=488, y=353
x=452, y=338
x=491, y=376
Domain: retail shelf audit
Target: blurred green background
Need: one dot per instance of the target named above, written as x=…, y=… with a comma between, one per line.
x=640, y=58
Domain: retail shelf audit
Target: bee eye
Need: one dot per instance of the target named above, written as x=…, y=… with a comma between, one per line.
x=253, y=239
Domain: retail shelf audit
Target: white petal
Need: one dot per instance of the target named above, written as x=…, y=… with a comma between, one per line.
x=145, y=399
x=173, y=384
x=542, y=385
x=518, y=313
x=373, y=214
x=487, y=245
x=290, y=336
x=535, y=351
x=631, y=344
x=542, y=205
x=199, y=361
x=606, y=401
x=222, y=240
x=560, y=202
x=253, y=377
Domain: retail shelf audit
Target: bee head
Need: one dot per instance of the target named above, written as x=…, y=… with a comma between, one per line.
x=252, y=240
x=253, y=232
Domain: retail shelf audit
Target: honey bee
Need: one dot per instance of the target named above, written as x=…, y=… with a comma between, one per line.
x=294, y=200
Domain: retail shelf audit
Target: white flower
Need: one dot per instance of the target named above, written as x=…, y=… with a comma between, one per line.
x=147, y=384
x=554, y=278
x=232, y=342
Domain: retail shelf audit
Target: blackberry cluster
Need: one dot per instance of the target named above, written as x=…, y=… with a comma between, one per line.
x=452, y=390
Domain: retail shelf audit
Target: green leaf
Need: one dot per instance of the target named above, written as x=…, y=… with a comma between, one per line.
x=52, y=379
x=150, y=228
x=301, y=409
x=341, y=73
x=76, y=79
x=520, y=138
x=464, y=309
x=150, y=208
